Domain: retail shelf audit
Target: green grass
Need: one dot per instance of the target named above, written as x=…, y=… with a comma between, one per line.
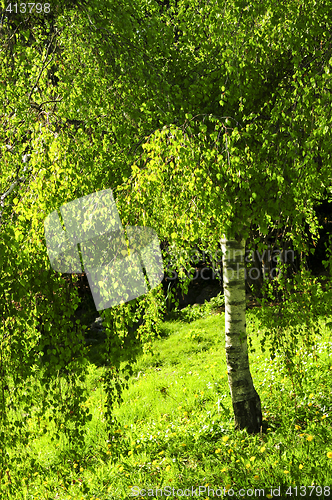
x=176, y=425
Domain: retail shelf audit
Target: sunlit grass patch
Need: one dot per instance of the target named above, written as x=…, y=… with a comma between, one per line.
x=175, y=424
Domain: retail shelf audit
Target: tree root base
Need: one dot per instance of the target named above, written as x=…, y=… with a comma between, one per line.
x=248, y=415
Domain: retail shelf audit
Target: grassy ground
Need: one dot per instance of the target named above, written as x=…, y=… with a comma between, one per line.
x=177, y=427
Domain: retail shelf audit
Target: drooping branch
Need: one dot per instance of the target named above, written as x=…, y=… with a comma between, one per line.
x=10, y=190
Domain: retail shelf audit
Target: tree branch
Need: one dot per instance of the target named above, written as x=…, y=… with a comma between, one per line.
x=43, y=66
x=9, y=191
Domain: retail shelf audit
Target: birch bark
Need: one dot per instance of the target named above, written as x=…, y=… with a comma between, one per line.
x=245, y=399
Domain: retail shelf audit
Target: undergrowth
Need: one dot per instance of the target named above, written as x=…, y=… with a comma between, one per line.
x=176, y=430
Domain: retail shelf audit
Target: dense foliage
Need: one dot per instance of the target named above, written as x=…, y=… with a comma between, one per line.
x=203, y=119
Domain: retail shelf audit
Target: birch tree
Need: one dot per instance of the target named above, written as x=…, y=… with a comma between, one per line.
x=244, y=143
x=206, y=119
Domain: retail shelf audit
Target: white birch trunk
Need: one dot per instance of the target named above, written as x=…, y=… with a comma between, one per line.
x=245, y=400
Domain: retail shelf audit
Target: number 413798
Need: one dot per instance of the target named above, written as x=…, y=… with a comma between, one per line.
x=29, y=7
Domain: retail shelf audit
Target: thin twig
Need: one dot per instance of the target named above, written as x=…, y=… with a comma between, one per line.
x=43, y=66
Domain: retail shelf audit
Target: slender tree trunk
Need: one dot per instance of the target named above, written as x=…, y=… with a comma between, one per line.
x=246, y=401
